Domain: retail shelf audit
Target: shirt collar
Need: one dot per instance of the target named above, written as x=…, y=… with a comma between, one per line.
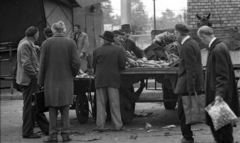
x=185, y=39
x=210, y=44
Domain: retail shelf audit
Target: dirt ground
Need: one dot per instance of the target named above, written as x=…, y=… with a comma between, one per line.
x=136, y=132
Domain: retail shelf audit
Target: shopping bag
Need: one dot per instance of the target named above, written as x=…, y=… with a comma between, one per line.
x=194, y=108
x=221, y=114
x=38, y=102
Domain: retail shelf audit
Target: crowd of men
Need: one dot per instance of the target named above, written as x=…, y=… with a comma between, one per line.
x=62, y=58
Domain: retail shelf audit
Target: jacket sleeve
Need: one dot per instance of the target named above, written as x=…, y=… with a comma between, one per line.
x=222, y=72
x=190, y=60
x=42, y=65
x=137, y=51
x=26, y=62
x=85, y=44
x=121, y=59
x=75, y=60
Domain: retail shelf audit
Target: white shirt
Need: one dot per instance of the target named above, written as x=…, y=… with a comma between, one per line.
x=211, y=42
x=185, y=39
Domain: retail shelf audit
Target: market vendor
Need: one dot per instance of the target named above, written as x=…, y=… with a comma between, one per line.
x=118, y=38
x=130, y=45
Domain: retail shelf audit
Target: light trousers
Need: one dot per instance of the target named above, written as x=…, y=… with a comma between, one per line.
x=112, y=94
x=53, y=113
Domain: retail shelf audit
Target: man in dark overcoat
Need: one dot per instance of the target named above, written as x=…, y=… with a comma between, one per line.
x=26, y=77
x=190, y=76
x=108, y=60
x=130, y=45
x=220, y=84
x=59, y=63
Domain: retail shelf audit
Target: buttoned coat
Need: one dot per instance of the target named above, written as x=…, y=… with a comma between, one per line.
x=190, y=74
x=27, y=62
x=220, y=77
x=59, y=63
x=108, y=60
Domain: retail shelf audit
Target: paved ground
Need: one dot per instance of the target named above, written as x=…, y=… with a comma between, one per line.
x=136, y=132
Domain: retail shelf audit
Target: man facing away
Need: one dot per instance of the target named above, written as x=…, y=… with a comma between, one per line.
x=82, y=42
x=220, y=84
x=107, y=61
x=27, y=73
x=59, y=63
x=190, y=76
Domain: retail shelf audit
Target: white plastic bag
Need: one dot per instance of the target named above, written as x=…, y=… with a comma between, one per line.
x=221, y=114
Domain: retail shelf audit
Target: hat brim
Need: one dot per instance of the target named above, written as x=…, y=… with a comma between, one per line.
x=110, y=40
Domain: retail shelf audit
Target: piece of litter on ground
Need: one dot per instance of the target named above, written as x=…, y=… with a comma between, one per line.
x=89, y=140
x=148, y=125
x=152, y=130
x=169, y=126
x=133, y=137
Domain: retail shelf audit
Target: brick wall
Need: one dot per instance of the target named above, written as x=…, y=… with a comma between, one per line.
x=224, y=13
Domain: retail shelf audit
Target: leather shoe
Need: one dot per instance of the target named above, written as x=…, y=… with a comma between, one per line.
x=32, y=136
x=183, y=140
x=66, y=138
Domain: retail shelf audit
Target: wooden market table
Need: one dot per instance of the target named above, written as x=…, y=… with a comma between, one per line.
x=85, y=91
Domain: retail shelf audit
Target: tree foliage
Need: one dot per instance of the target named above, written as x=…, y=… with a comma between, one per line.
x=168, y=20
x=108, y=17
x=139, y=17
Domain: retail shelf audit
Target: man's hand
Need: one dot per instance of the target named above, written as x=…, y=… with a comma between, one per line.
x=81, y=55
x=144, y=59
x=132, y=62
x=218, y=98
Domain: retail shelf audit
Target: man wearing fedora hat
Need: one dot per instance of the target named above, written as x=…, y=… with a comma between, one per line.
x=130, y=45
x=107, y=60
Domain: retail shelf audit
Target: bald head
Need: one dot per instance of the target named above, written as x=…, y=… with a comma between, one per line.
x=205, y=34
x=205, y=30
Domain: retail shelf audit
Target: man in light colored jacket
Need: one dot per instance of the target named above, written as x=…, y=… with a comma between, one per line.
x=27, y=72
x=82, y=42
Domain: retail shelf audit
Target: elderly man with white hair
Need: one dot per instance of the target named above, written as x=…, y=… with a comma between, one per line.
x=220, y=84
x=59, y=63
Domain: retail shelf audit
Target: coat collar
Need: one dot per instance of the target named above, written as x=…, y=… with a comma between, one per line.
x=215, y=42
x=58, y=35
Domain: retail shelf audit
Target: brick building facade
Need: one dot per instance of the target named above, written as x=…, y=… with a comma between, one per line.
x=224, y=13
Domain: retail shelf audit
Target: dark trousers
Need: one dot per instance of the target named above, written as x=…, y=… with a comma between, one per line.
x=29, y=114
x=186, y=129
x=53, y=113
x=223, y=135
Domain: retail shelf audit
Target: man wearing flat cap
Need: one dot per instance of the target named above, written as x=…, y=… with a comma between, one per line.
x=190, y=75
x=47, y=32
x=107, y=61
x=27, y=73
